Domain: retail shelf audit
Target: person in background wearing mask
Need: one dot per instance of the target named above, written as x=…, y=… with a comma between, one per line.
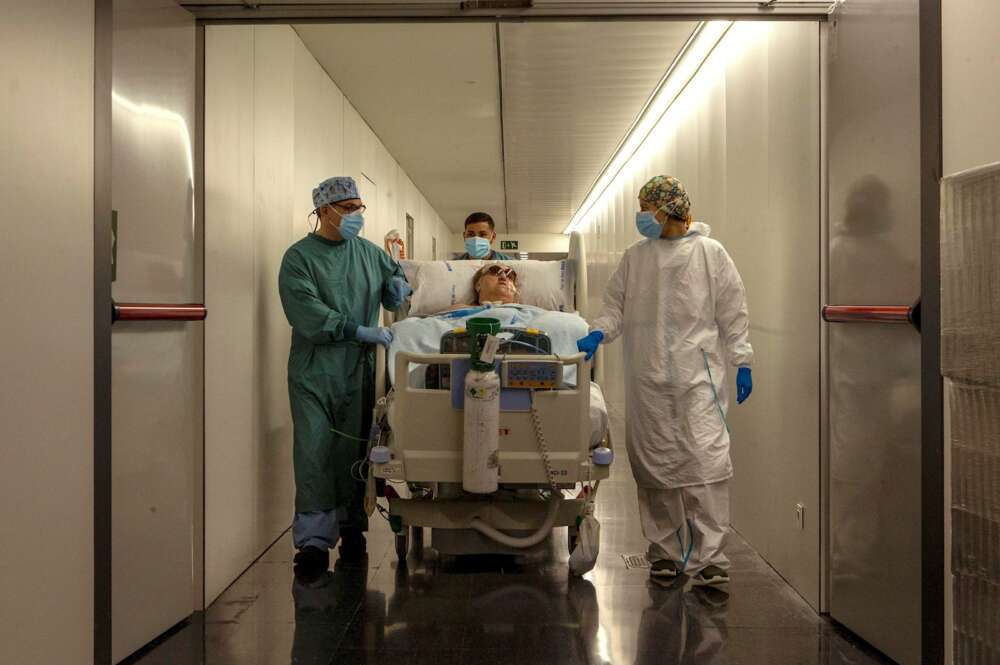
x=480, y=233
x=332, y=284
x=679, y=304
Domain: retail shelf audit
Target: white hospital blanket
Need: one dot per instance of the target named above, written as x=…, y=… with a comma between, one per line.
x=424, y=335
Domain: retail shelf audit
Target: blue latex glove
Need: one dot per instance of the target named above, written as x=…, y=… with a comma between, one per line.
x=368, y=335
x=590, y=343
x=399, y=289
x=744, y=384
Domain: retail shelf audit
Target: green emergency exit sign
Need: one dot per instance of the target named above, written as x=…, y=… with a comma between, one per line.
x=508, y=244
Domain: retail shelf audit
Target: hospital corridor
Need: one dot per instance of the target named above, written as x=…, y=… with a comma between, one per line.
x=500, y=331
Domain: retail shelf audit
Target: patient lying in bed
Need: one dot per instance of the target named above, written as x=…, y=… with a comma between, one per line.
x=496, y=289
x=423, y=335
x=494, y=284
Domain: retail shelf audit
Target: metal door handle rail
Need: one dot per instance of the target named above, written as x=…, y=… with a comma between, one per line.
x=134, y=311
x=867, y=314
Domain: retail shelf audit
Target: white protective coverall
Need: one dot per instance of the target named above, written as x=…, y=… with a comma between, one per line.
x=681, y=308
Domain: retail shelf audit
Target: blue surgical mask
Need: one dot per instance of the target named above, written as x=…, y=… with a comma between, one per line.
x=478, y=248
x=350, y=225
x=647, y=224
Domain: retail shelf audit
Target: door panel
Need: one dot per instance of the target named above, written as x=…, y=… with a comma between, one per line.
x=874, y=259
x=157, y=366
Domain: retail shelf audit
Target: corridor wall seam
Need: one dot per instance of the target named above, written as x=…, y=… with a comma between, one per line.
x=744, y=139
x=229, y=297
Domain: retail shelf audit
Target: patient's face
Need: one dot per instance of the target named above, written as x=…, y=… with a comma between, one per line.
x=498, y=284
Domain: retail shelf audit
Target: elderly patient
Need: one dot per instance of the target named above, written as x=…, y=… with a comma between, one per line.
x=494, y=284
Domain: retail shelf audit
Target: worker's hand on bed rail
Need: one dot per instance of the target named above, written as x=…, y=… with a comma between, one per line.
x=590, y=343
x=399, y=290
x=368, y=335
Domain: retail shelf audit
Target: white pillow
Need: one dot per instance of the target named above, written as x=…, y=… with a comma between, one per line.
x=438, y=285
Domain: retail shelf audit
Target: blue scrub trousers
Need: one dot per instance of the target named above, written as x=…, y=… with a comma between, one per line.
x=317, y=528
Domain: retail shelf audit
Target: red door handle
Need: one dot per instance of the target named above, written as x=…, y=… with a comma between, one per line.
x=133, y=311
x=872, y=314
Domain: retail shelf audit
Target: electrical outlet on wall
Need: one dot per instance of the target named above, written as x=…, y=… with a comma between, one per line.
x=800, y=515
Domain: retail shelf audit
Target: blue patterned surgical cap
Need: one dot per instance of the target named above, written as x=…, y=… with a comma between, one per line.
x=334, y=190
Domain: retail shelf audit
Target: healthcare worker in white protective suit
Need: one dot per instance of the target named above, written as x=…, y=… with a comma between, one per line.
x=679, y=303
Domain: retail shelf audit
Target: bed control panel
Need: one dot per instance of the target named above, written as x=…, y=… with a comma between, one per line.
x=537, y=374
x=513, y=342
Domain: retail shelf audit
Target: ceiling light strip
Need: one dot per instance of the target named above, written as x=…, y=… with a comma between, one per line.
x=681, y=72
x=648, y=103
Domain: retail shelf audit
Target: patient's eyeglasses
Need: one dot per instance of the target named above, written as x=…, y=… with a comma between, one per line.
x=506, y=271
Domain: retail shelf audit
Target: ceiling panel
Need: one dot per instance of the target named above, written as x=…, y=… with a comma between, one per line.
x=570, y=92
x=431, y=94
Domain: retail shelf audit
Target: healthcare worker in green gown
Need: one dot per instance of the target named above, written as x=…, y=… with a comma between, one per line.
x=332, y=284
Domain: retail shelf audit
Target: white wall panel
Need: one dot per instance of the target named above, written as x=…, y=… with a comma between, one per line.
x=777, y=247
x=970, y=52
x=319, y=133
x=385, y=170
x=273, y=216
x=46, y=393
x=353, y=140
x=230, y=369
x=744, y=139
x=359, y=144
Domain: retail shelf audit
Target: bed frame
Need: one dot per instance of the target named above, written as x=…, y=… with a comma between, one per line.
x=426, y=444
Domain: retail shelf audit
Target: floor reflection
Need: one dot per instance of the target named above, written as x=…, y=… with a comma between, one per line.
x=325, y=607
x=683, y=625
x=495, y=610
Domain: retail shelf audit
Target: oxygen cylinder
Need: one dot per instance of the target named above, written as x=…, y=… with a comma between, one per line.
x=481, y=443
x=480, y=455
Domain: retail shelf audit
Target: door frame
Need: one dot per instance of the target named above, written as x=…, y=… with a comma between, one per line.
x=932, y=437
x=103, y=31
x=521, y=10
x=933, y=617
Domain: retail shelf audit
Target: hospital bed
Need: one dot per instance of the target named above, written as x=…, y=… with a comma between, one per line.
x=554, y=443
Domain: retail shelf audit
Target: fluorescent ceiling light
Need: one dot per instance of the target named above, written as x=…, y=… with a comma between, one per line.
x=685, y=67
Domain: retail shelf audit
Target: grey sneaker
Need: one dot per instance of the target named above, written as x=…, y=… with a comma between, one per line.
x=664, y=568
x=711, y=576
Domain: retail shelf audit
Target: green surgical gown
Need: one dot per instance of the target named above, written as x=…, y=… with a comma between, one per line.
x=327, y=289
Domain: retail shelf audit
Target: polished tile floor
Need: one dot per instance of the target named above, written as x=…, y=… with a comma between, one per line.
x=494, y=610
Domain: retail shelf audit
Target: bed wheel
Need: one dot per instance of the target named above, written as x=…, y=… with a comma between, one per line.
x=402, y=545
